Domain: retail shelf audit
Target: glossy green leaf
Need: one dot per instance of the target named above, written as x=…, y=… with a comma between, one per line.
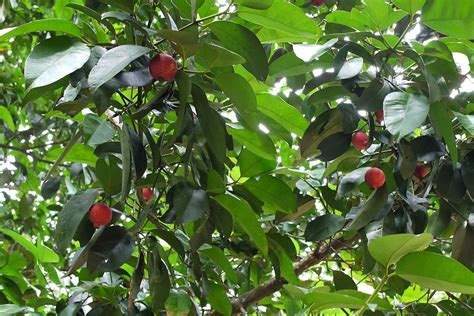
x=211, y=55
x=253, y=165
x=218, y=299
x=112, y=62
x=282, y=112
x=188, y=203
x=275, y=194
x=467, y=121
x=387, y=250
x=440, y=117
x=79, y=153
x=58, y=25
x=219, y=258
x=453, y=18
x=282, y=16
x=185, y=41
x=243, y=214
x=369, y=210
x=243, y=42
x=41, y=252
x=53, y=59
x=410, y=6
x=6, y=117
x=71, y=216
x=404, y=112
x=256, y=4
x=257, y=142
x=323, y=227
x=436, y=272
x=96, y=130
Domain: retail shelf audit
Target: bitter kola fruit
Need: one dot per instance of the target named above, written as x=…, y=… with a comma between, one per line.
x=375, y=178
x=100, y=214
x=163, y=67
x=360, y=140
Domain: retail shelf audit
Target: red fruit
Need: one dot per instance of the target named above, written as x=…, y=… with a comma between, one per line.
x=379, y=116
x=360, y=140
x=421, y=171
x=147, y=194
x=100, y=214
x=163, y=67
x=375, y=178
x=317, y=3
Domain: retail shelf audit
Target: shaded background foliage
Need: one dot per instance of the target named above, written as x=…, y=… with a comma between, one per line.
x=260, y=203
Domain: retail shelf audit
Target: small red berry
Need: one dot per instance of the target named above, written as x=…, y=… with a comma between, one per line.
x=421, y=171
x=375, y=178
x=100, y=214
x=380, y=116
x=147, y=194
x=317, y=3
x=163, y=67
x=360, y=140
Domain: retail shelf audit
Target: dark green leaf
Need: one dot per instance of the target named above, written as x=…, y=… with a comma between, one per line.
x=323, y=227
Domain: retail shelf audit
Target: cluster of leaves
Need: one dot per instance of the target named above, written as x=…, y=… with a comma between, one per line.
x=248, y=154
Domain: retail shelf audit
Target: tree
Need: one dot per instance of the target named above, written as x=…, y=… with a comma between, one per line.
x=302, y=157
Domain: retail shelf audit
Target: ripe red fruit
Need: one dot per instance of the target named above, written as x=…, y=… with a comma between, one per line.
x=375, y=178
x=100, y=214
x=163, y=67
x=379, y=115
x=360, y=140
x=317, y=3
x=147, y=194
x=421, y=171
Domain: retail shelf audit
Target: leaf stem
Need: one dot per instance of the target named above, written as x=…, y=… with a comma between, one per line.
x=374, y=294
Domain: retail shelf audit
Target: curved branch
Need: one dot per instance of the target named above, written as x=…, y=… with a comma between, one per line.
x=240, y=304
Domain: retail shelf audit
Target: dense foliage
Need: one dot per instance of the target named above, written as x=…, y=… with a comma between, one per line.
x=254, y=156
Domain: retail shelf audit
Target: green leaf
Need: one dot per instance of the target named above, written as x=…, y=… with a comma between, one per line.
x=79, y=153
x=71, y=216
x=453, y=18
x=215, y=183
x=351, y=181
x=96, y=130
x=218, y=299
x=110, y=175
x=404, y=112
x=112, y=62
x=257, y=142
x=243, y=214
x=188, y=203
x=243, y=42
x=410, y=6
x=253, y=165
x=387, y=250
x=41, y=252
x=211, y=123
x=449, y=182
x=276, y=195
x=114, y=247
x=436, y=272
x=467, y=171
x=239, y=91
x=211, y=56
x=323, y=227
x=12, y=309
x=159, y=279
x=50, y=187
x=126, y=164
x=440, y=117
x=467, y=121
x=56, y=25
x=53, y=59
x=282, y=16
x=342, y=281
x=350, y=68
x=285, y=265
x=185, y=42
x=219, y=258
x=369, y=209
x=6, y=117
x=256, y=4
x=321, y=301
x=308, y=52
x=283, y=113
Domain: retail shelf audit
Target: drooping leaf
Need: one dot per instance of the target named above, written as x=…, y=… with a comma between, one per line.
x=449, y=182
x=440, y=117
x=53, y=59
x=387, y=250
x=243, y=214
x=71, y=216
x=276, y=195
x=369, y=209
x=219, y=258
x=243, y=42
x=187, y=203
x=112, y=62
x=404, y=112
x=436, y=272
x=59, y=25
x=96, y=130
x=218, y=299
x=323, y=227
x=454, y=18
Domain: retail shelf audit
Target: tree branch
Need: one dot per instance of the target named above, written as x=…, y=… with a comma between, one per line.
x=239, y=305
